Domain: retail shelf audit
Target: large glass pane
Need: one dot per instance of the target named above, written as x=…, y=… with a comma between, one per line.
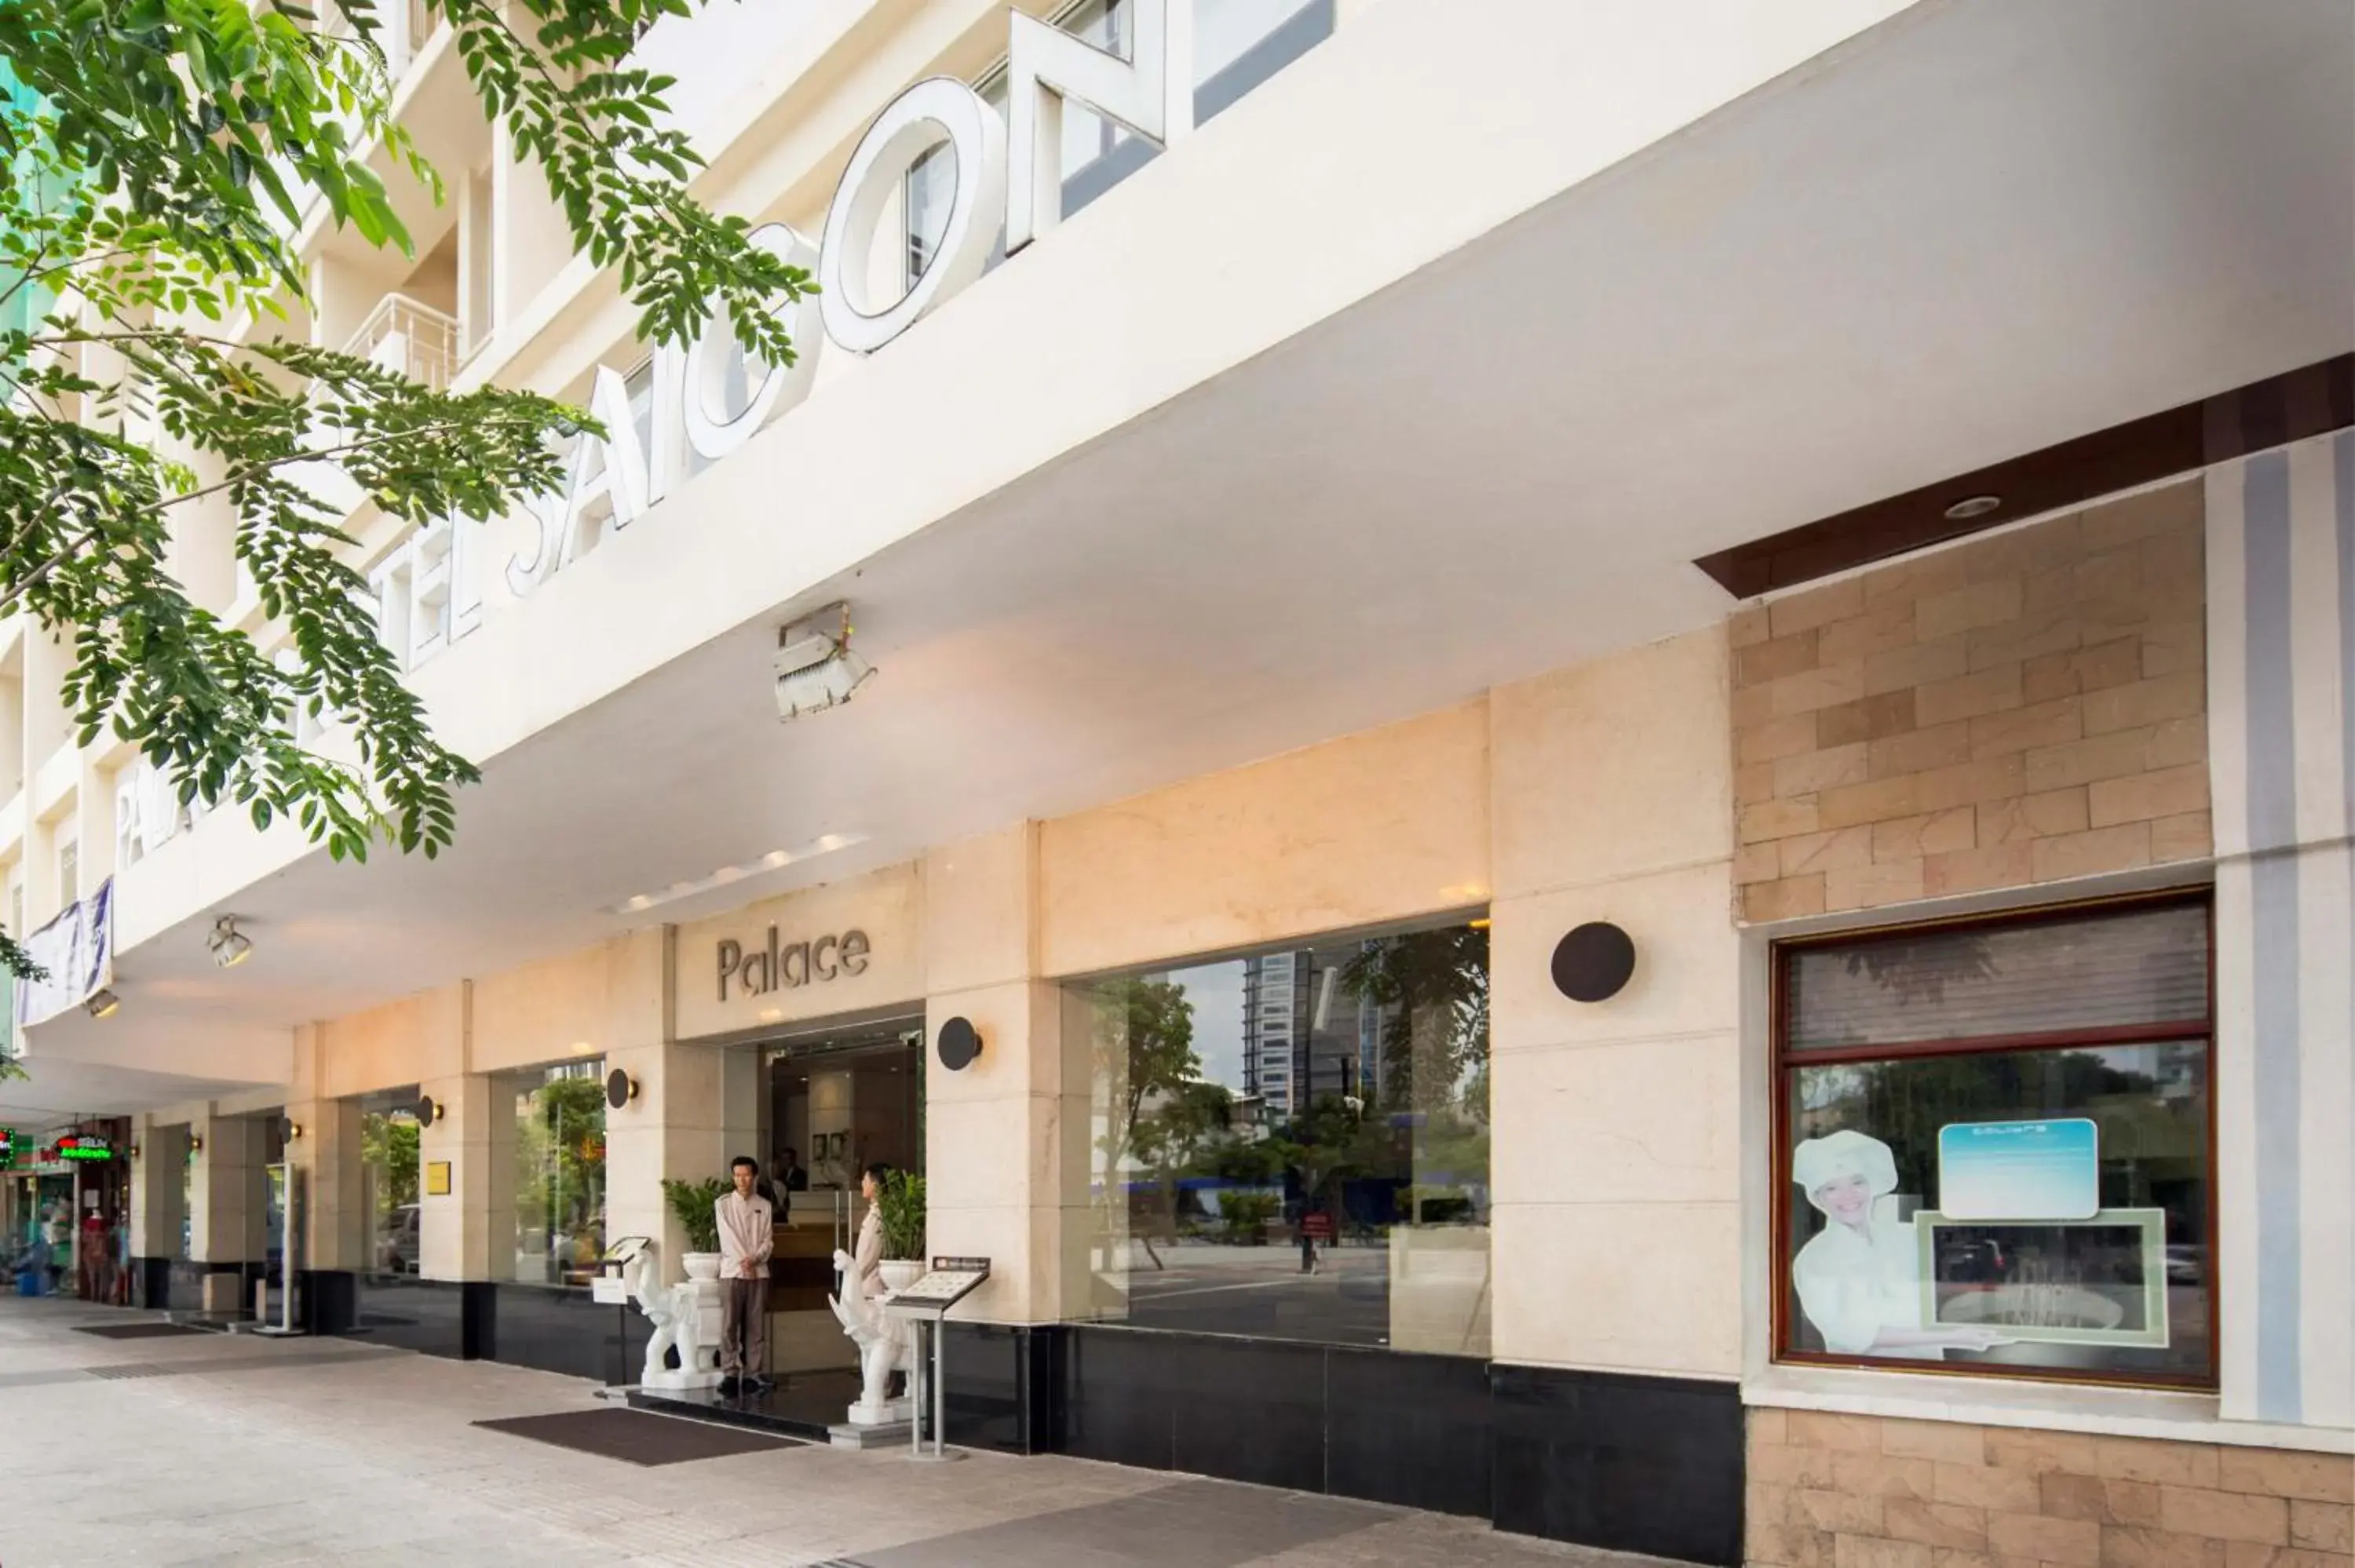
x=2039, y=1209
x=388, y=1175
x=2113, y=969
x=1295, y=1144
x=558, y=1165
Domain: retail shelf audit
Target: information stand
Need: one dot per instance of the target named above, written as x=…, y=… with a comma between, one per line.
x=928, y=1300
x=293, y=1186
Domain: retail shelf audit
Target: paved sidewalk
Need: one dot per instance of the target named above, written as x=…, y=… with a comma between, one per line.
x=216, y=1449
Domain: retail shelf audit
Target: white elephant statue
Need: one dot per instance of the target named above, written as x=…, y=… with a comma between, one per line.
x=886, y=1344
x=676, y=1313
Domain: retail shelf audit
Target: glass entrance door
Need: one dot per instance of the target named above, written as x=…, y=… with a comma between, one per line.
x=833, y=1102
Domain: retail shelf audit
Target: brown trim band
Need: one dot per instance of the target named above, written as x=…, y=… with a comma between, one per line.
x=2285, y=407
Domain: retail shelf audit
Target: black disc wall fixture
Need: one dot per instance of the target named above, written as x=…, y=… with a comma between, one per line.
x=1593, y=962
x=960, y=1042
x=620, y=1088
x=428, y=1113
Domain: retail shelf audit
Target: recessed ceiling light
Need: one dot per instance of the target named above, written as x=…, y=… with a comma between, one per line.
x=1973, y=506
x=774, y=861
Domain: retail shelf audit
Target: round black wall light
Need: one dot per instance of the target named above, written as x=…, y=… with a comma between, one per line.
x=428, y=1113
x=960, y=1042
x=1593, y=962
x=620, y=1088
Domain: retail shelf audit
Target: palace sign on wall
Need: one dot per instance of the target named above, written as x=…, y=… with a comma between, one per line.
x=1007, y=169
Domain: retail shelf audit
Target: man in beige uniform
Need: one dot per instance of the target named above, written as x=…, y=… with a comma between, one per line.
x=746, y=1235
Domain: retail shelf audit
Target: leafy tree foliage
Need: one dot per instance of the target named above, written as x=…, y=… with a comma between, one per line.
x=155, y=179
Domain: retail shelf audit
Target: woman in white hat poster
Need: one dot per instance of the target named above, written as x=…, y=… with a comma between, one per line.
x=1859, y=1277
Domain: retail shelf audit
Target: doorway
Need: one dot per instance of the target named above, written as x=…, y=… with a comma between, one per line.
x=833, y=1099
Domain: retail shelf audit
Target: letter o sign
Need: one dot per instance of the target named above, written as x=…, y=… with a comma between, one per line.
x=915, y=121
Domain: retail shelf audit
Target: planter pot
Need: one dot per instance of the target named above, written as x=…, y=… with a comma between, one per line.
x=899, y=1272
x=702, y=1264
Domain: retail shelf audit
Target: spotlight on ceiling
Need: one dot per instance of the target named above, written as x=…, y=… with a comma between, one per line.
x=230, y=946
x=814, y=666
x=1963, y=510
x=103, y=1003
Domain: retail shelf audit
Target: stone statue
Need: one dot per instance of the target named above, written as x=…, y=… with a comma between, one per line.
x=676, y=1312
x=886, y=1344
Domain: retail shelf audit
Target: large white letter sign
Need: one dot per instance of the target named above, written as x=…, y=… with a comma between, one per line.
x=914, y=124
x=605, y=487
x=709, y=429
x=1152, y=94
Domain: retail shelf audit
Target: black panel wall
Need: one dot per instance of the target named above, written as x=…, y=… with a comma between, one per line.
x=423, y=1315
x=151, y=1282
x=1633, y=1464
x=327, y=1300
x=562, y=1330
x=1003, y=1387
x=1381, y=1425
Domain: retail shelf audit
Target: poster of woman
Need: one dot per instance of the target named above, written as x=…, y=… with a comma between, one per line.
x=1859, y=1277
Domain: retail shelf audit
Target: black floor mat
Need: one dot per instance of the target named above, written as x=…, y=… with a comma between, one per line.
x=138, y=1330
x=637, y=1436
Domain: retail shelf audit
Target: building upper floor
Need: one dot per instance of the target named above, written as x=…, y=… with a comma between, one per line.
x=1429, y=356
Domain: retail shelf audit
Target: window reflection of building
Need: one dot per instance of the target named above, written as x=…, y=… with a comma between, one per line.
x=1295, y=1144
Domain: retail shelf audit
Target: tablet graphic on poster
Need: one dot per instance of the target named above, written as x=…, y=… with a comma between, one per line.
x=2047, y=1170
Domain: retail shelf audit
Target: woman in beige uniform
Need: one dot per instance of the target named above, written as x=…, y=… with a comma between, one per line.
x=867, y=1256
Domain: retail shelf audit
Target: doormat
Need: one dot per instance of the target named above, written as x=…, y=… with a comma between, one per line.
x=138, y=1330
x=637, y=1436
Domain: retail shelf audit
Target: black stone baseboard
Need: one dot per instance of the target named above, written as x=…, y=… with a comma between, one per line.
x=327, y=1300
x=555, y=1329
x=1003, y=1387
x=1382, y=1426
x=1650, y=1465
x=1628, y=1463
x=151, y=1282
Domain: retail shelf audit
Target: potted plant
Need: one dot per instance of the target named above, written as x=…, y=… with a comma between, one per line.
x=695, y=1205
x=900, y=1201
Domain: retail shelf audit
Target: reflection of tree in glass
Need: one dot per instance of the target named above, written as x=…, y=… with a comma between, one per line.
x=1145, y=1043
x=390, y=1145
x=1904, y=1102
x=1432, y=988
x=560, y=1169
x=1919, y=971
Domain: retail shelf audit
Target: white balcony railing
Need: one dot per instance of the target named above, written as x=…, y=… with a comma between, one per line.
x=411, y=338
x=409, y=28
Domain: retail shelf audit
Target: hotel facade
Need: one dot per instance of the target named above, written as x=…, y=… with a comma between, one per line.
x=1631, y=728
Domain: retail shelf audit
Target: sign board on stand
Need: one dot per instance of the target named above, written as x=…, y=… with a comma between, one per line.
x=928, y=1300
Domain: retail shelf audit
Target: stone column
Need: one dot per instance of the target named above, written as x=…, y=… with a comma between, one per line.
x=459, y=1231
x=1004, y=1138
x=156, y=1208
x=330, y=1153
x=1616, y=1166
x=226, y=1218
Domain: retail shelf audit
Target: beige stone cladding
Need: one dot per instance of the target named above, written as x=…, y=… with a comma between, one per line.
x=1863, y=1492
x=2023, y=708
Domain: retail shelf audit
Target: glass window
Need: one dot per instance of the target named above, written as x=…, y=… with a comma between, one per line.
x=558, y=1163
x=1999, y=1154
x=1342, y=1198
x=388, y=1172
